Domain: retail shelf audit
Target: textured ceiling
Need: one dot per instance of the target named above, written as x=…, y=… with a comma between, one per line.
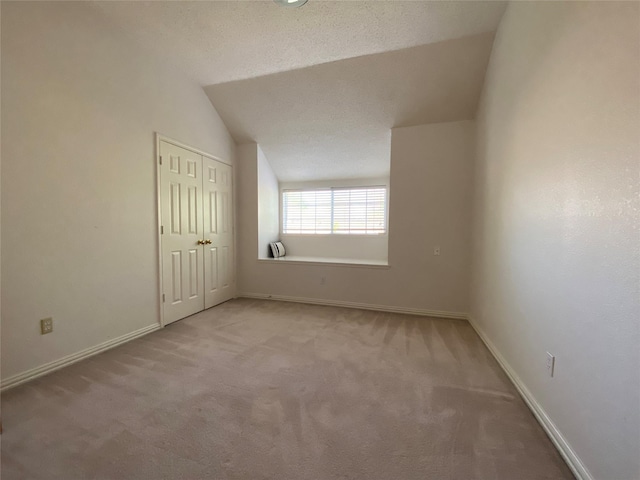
x=333, y=120
x=319, y=87
x=221, y=41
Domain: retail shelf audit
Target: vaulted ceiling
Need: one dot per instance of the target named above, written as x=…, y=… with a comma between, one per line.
x=319, y=87
x=333, y=120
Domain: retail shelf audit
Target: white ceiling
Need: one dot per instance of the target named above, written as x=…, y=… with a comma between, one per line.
x=221, y=41
x=331, y=120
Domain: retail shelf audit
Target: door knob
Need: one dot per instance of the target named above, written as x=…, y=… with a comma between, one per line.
x=208, y=242
x=200, y=242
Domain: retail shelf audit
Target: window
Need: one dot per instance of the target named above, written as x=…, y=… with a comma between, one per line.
x=351, y=211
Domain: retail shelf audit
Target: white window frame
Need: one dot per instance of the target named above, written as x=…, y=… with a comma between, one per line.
x=331, y=189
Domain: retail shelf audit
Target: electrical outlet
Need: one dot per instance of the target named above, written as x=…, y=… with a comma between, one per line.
x=46, y=325
x=436, y=250
x=551, y=363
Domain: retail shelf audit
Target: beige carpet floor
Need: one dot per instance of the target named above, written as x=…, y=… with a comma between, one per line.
x=269, y=390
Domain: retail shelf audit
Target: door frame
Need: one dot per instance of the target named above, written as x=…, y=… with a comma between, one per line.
x=163, y=138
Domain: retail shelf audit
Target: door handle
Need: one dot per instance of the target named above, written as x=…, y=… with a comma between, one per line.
x=208, y=242
x=200, y=242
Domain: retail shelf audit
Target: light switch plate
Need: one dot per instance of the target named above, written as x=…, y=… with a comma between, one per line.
x=551, y=363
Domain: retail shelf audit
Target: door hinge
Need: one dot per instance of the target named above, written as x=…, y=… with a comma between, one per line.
x=160, y=159
x=161, y=230
x=163, y=298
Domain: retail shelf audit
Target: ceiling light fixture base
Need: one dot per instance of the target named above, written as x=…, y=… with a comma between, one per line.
x=291, y=3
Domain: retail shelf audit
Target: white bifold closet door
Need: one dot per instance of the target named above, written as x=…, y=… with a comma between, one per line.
x=218, y=222
x=196, y=231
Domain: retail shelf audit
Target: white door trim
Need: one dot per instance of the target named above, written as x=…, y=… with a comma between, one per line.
x=164, y=138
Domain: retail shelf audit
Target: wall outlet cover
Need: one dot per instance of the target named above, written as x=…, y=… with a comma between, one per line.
x=46, y=325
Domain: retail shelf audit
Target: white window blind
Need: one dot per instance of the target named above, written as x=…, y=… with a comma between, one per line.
x=352, y=211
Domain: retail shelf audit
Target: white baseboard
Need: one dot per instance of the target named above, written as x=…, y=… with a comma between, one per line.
x=362, y=306
x=25, y=376
x=569, y=456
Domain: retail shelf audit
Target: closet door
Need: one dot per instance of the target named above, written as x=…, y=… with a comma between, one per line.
x=182, y=232
x=218, y=231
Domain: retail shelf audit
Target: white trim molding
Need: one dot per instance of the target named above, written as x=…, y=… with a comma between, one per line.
x=568, y=454
x=362, y=306
x=28, y=375
x=317, y=261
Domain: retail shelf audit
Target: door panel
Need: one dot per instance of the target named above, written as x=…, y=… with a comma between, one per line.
x=225, y=267
x=218, y=228
x=212, y=272
x=213, y=212
x=194, y=273
x=176, y=276
x=181, y=218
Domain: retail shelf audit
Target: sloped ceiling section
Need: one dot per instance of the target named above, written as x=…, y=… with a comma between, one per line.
x=333, y=120
x=222, y=41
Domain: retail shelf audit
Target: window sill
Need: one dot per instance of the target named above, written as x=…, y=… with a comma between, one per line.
x=335, y=262
x=341, y=235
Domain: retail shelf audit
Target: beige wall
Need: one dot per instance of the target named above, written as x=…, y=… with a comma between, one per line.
x=354, y=247
x=80, y=105
x=431, y=176
x=268, y=205
x=246, y=170
x=556, y=258
x=0, y=204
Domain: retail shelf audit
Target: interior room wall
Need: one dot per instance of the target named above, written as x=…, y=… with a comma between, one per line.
x=268, y=205
x=556, y=257
x=80, y=105
x=0, y=209
x=246, y=169
x=430, y=205
x=344, y=247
